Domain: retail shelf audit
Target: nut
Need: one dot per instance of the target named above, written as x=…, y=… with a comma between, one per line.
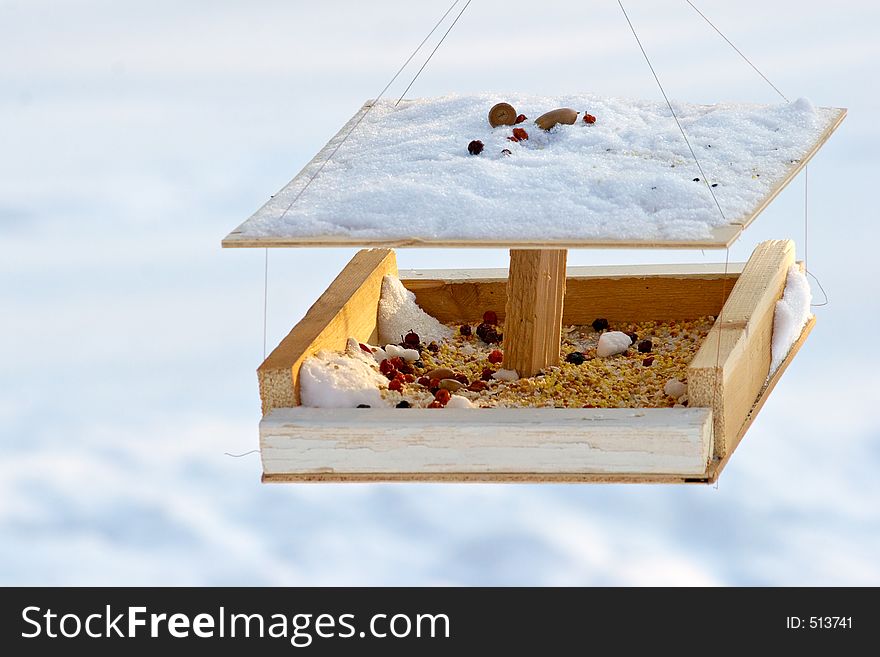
x=502, y=114
x=564, y=115
x=452, y=385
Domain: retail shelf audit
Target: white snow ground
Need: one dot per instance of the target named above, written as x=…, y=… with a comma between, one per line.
x=128, y=339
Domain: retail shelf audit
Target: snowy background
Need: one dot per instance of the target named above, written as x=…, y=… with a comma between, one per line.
x=136, y=134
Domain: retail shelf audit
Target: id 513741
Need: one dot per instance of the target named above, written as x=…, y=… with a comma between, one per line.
x=819, y=622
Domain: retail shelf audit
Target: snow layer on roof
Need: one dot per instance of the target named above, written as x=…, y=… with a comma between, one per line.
x=406, y=172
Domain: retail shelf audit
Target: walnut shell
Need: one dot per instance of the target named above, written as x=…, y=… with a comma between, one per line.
x=502, y=114
x=564, y=115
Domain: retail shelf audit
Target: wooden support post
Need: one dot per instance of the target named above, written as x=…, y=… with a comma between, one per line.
x=533, y=322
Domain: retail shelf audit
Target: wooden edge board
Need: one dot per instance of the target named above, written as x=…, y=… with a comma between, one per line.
x=733, y=361
x=721, y=238
x=479, y=478
x=413, y=278
x=669, y=442
x=347, y=308
x=718, y=464
x=648, y=293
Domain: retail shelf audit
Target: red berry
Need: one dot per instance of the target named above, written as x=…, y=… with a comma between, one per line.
x=520, y=134
x=490, y=317
x=496, y=356
x=395, y=385
x=521, y=118
x=391, y=375
x=396, y=362
x=408, y=378
x=385, y=366
x=443, y=396
x=475, y=147
x=487, y=374
x=424, y=381
x=412, y=339
x=589, y=118
x=477, y=386
x=365, y=348
x=434, y=383
x=462, y=379
x=435, y=404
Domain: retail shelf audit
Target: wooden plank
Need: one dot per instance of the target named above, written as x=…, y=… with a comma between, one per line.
x=493, y=274
x=720, y=237
x=718, y=463
x=505, y=442
x=730, y=369
x=346, y=309
x=533, y=326
x=622, y=294
x=480, y=478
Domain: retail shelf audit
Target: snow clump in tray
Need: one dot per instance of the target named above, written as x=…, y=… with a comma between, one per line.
x=399, y=314
x=333, y=380
x=792, y=314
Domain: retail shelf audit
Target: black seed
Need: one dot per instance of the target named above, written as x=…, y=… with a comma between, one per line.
x=600, y=324
x=475, y=147
x=696, y=180
x=714, y=184
x=645, y=346
x=632, y=337
x=403, y=404
x=419, y=364
x=575, y=358
x=364, y=406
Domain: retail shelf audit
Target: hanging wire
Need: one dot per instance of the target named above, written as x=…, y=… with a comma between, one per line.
x=720, y=320
x=740, y=52
x=439, y=43
x=348, y=134
x=238, y=456
x=806, y=167
x=672, y=111
x=265, y=300
x=807, y=236
x=372, y=105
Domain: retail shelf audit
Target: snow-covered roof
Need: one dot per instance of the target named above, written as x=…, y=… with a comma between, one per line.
x=405, y=177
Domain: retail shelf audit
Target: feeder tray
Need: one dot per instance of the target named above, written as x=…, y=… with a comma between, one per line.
x=729, y=379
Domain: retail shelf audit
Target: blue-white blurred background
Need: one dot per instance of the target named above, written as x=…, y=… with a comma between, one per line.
x=134, y=135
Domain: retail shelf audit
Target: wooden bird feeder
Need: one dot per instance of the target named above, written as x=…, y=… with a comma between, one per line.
x=729, y=380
